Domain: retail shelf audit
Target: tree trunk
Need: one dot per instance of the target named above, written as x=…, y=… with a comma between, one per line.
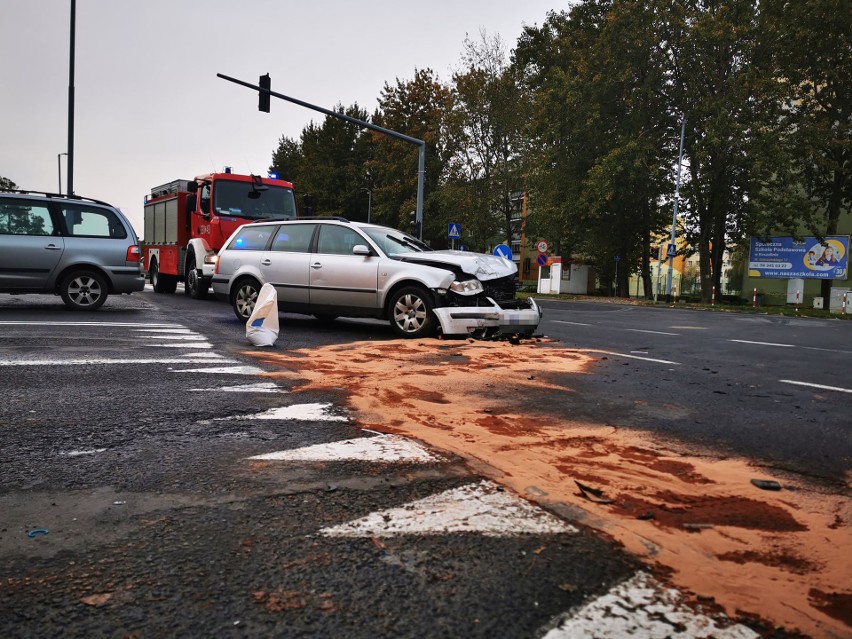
x=832, y=215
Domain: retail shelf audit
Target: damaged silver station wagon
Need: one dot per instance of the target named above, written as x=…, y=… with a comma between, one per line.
x=333, y=268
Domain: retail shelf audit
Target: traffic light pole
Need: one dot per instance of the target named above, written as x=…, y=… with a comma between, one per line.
x=421, y=164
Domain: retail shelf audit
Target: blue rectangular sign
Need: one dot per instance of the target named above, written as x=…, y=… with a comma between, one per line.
x=784, y=257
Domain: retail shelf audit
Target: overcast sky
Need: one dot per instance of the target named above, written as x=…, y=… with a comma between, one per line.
x=148, y=105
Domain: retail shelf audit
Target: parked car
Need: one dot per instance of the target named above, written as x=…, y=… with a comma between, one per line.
x=81, y=249
x=332, y=267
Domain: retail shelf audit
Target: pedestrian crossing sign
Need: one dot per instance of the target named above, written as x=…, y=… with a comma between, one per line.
x=453, y=231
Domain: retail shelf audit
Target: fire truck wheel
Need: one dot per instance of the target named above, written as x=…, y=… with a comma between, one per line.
x=84, y=290
x=196, y=286
x=243, y=297
x=161, y=283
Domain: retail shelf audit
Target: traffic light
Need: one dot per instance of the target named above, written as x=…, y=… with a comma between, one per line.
x=655, y=253
x=263, y=94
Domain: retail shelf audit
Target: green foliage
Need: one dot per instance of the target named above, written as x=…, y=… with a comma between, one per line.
x=7, y=184
x=585, y=116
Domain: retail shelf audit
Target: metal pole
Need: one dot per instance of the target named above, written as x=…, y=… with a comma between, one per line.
x=677, y=199
x=71, y=102
x=421, y=172
x=369, y=204
x=59, y=169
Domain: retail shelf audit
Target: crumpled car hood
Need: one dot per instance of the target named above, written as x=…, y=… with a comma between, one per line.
x=483, y=267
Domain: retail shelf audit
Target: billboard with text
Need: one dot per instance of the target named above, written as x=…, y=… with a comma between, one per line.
x=785, y=257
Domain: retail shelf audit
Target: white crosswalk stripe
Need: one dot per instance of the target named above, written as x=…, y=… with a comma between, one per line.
x=643, y=607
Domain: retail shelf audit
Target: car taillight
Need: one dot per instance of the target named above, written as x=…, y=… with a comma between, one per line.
x=133, y=253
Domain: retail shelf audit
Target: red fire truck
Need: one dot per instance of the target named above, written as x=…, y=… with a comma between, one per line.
x=188, y=221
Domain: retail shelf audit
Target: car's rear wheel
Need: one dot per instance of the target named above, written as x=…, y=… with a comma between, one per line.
x=161, y=283
x=84, y=290
x=410, y=312
x=244, y=296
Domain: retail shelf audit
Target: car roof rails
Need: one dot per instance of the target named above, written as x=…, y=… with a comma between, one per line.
x=322, y=217
x=47, y=194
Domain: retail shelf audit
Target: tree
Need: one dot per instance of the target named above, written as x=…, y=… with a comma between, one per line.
x=6, y=184
x=287, y=160
x=420, y=108
x=810, y=58
x=602, y=128
x=328, y=164
x=719, y=87
x=489, y=117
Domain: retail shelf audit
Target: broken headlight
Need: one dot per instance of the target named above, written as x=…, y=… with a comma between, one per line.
x=467, y=287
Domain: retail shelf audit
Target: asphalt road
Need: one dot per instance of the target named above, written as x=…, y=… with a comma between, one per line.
x=772, y=388
x=127, y=435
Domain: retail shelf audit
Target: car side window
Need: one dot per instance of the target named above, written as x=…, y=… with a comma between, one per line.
x=252, y=238
x=338, y=240
x=294, y=238
x=18, y=217
x=92, y=221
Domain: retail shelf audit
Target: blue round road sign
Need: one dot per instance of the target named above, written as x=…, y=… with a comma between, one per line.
x=501, y=250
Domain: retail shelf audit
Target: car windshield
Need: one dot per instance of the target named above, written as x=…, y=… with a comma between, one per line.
x=394, y=242
x=239, y=199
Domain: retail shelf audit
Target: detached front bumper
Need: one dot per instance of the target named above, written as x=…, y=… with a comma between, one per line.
x=523, y=317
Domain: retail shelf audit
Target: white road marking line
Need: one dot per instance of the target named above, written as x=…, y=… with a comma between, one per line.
x=644, y=359
x=178, y=330
x=476, y=508
x=111, y=361
x=77, y=453
x=303, y=412
x=745, y=341
x=205, y=356
x=107, y=324
x=639, y=330
x=643, y=607
x=184, y=337
x=638, y=352
x=385, y=448
x=572, y=323
x=689, y=328
x=224, y=370
x=204, y=344
x=819, y=386
x=262, y=387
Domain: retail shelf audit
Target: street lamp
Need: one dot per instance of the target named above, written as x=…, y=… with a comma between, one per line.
x=59, y=168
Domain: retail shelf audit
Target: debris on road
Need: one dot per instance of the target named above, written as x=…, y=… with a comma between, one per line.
x=766, y=484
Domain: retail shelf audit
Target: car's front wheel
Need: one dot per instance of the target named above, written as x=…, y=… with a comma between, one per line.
x=244, y=296
x=195, y=285
x=84, y=290
x=410, y=312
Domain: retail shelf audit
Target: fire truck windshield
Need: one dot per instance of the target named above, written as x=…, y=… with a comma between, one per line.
x=240, y=199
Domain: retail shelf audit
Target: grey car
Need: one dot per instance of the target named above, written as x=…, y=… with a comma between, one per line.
x=336, y=268
x=81, y=249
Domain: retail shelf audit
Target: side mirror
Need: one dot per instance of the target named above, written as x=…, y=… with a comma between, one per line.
x=361, y=249
x=191, y=203
x=192, y=187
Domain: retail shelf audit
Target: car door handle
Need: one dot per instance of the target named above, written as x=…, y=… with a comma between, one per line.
x=265, y=262
x=53, y=247
x=316, y=265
